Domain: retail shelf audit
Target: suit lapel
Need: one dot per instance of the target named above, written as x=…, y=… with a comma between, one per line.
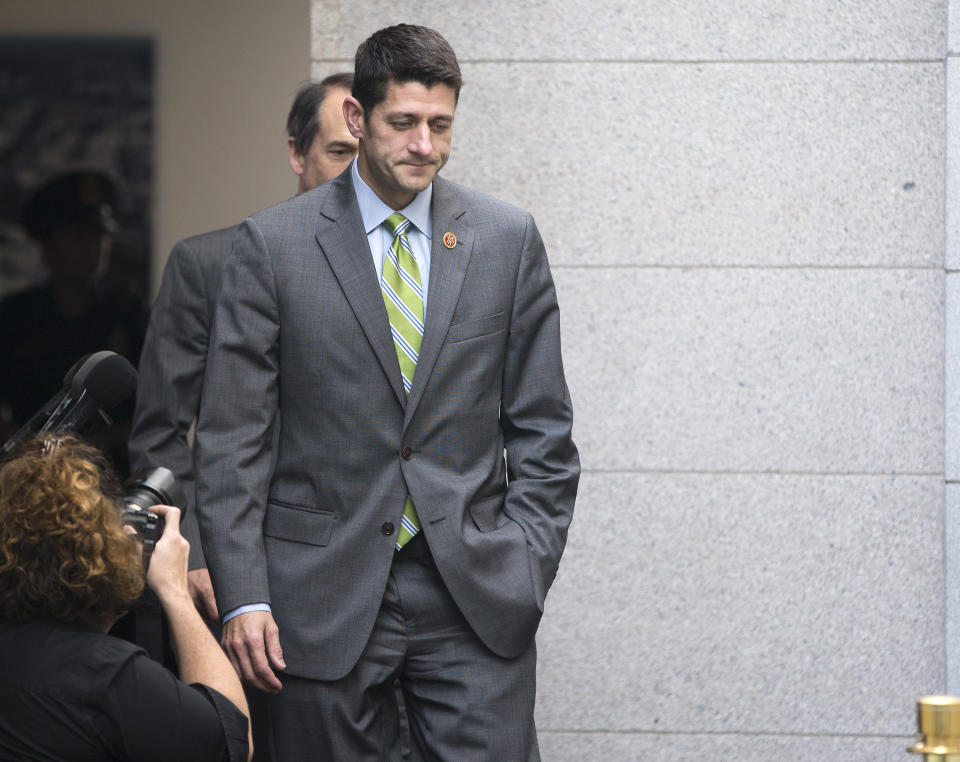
x=342, y=239
x=447, y=269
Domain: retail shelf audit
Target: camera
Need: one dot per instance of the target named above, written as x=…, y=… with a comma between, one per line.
x=146, y=488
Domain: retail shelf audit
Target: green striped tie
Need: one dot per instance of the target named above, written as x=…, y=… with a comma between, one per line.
x=403, y=295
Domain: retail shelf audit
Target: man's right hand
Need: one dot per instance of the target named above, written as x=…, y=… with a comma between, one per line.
x=252, y=641
x=201, y=590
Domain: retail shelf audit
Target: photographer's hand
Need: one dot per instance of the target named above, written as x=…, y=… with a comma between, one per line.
x=167, y=573
x=252, y=641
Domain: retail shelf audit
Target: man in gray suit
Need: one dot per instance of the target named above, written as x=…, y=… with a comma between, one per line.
x=175, y=351
x=386, y=473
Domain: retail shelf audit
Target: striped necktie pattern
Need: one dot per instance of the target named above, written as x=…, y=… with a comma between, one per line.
x=403, y=297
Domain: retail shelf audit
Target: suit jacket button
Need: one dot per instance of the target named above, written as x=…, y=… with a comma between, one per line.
x=407, y=453
x=387, y=528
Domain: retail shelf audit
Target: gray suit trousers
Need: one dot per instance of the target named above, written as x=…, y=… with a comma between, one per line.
x=463, y=701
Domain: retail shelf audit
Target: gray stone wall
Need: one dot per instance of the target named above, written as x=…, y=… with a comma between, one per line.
x=744, y=207
x=952, y=365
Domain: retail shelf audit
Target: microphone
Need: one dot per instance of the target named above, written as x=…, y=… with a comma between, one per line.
x=95, y=384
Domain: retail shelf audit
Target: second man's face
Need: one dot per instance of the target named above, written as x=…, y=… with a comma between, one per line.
x=405, y=140
x=333, y=146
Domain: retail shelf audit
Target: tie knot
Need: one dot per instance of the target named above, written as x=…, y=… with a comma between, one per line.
x=397, y=224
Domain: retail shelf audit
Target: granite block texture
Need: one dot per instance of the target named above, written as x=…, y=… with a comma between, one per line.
x=763, y=604
x=643, y=747
x=952, y=377
x=952, y=576
x=654, y=30
x=747, y=208
x=953, y=27
x=952, y=209
x=828, y=371
x=770, y=164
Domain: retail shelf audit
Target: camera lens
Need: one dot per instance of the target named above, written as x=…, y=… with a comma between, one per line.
x=153, y=486
x=145, y=489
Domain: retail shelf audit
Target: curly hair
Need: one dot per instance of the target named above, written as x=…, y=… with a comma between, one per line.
x=63, y=549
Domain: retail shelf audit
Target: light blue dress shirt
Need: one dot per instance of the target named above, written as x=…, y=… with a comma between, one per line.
x=374, y=212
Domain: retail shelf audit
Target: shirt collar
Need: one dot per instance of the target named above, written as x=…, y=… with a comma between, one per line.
x=374, y=211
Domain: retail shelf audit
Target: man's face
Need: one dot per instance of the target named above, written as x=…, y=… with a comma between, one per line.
x=404, y=140
x=333, y=146
x=77, y=253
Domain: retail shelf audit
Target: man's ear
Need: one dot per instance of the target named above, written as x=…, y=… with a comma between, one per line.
x=353, y=116
x=296, y=160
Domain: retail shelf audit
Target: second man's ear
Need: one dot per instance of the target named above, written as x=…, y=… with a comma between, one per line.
x=296, y=159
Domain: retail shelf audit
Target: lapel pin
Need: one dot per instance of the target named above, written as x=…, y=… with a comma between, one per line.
x=449, y=240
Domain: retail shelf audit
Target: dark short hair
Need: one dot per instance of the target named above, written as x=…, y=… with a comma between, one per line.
x=303, y=121
x=403, y=53
x=75, y=198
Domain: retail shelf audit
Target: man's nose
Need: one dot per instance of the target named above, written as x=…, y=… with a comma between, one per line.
x=420, y=142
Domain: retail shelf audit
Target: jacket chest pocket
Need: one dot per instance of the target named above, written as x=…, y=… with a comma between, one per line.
x=471, y=329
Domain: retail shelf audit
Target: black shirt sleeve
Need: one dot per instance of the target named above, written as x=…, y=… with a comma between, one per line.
x=160, y=718
x=234, y=724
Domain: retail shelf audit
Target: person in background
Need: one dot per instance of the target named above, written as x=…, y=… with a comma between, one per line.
x=46, y=329
x=175, y=351
x=68, y=569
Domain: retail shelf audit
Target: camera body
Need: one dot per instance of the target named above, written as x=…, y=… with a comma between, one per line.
x=146, y=488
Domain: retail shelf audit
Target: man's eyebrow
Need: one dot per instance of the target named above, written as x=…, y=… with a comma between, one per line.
x=341, y=144
x=411, y=115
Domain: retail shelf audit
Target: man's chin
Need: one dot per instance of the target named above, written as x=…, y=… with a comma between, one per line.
x=414, y=187
x=421, y=176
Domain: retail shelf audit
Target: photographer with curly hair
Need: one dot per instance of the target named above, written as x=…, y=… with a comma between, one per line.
x=68, y=570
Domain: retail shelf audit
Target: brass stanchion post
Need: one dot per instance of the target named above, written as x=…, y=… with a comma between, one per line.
x=938, y=720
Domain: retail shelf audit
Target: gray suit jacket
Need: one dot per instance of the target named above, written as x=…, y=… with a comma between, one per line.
x=172, y=363
x=301, y=340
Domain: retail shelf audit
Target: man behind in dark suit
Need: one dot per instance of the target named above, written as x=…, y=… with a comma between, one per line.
x=175, y=351
x=386, y=473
